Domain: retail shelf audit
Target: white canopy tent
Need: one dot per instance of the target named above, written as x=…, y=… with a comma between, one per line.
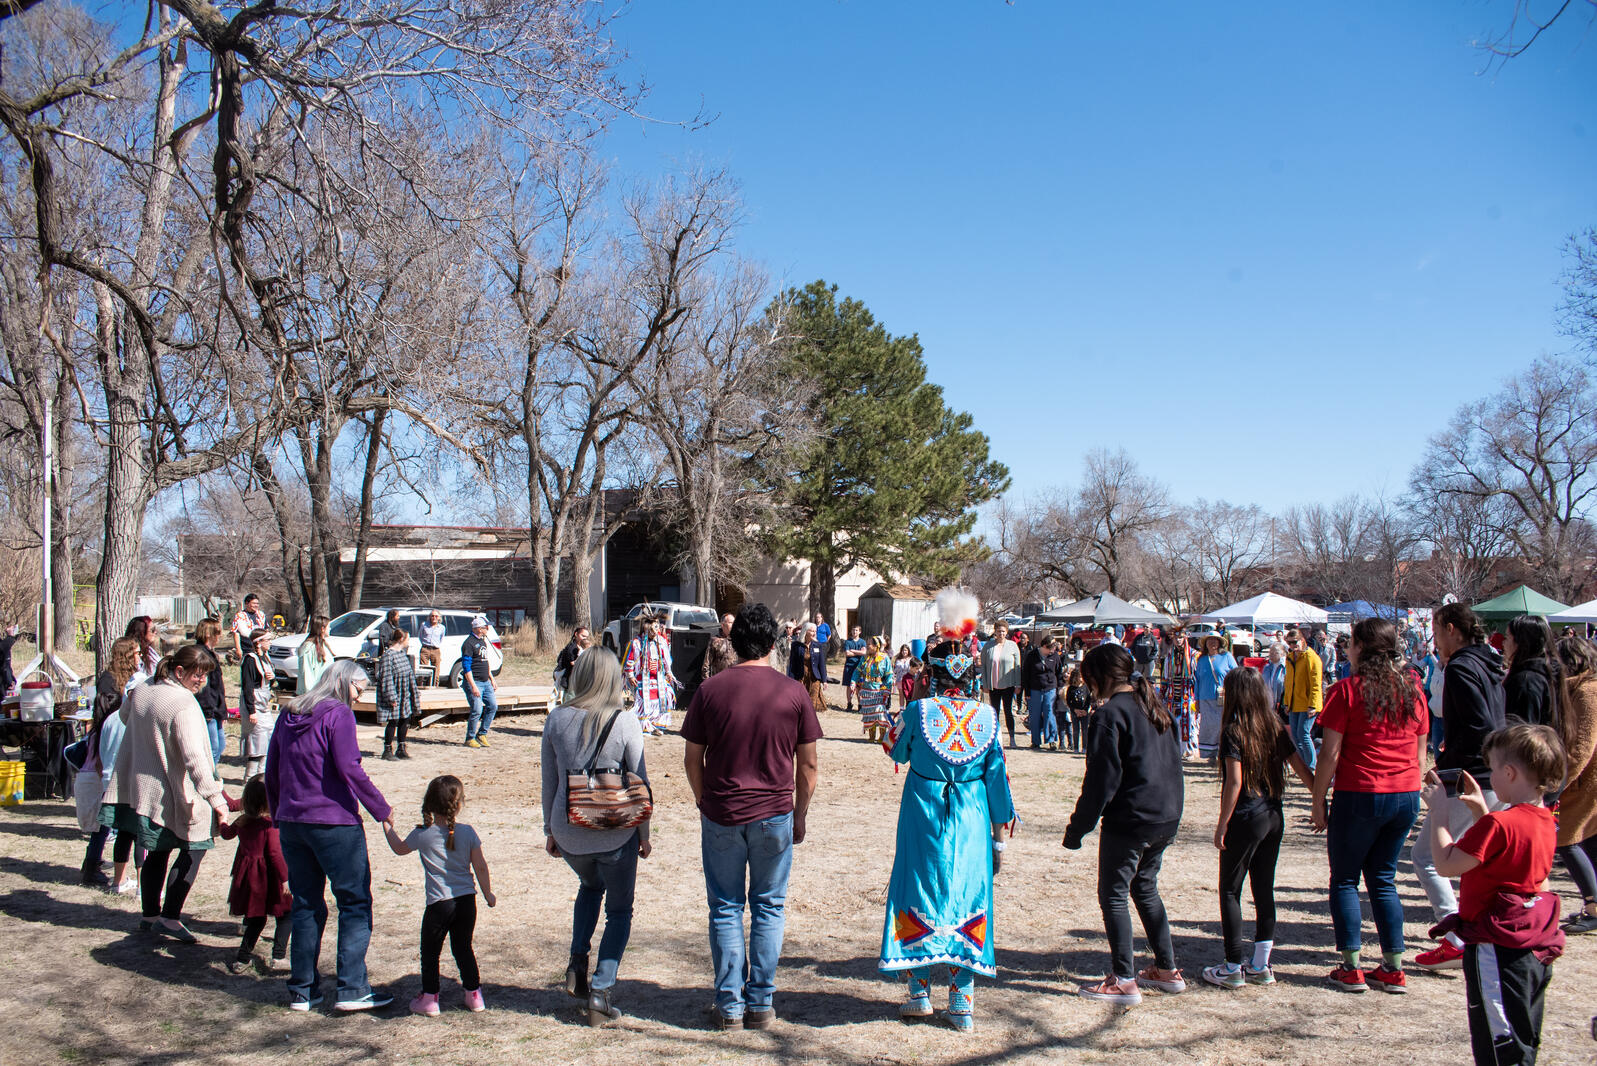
x=1581, y=612
x=1267, y=608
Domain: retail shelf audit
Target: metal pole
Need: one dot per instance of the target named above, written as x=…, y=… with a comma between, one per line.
x=47, y=606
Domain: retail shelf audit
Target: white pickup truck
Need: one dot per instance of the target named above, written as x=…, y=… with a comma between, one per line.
x=678, y=616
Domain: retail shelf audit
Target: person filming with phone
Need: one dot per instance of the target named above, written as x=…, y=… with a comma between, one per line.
x=1472, y=708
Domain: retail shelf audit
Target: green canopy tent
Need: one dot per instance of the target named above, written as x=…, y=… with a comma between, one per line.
x=1523, y=600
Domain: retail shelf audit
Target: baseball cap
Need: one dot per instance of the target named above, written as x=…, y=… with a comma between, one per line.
x=479, y=621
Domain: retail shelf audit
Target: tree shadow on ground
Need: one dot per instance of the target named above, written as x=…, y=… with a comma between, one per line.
x=32, y=905
x=42, y=830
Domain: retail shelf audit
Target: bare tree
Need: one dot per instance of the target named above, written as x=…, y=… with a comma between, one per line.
x=197, y=285
x=1578, y=311
x=1116, y=506
x=1227, y=541
x=1166, y=567
x=1327, y=544
x=1467, y=541
x=727, y=421
x=1529, y=21
x=1532, y=445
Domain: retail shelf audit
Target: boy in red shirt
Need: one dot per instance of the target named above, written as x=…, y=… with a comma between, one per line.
x=1506, y=917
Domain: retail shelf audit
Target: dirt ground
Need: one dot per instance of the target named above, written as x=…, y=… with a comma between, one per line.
x=82, y=986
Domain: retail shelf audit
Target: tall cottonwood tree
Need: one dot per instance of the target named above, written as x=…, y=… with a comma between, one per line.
x=1531, y=447
x=191, y=286
x=728, y=424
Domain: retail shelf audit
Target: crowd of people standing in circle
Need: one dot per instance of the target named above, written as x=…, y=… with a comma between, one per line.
x=1506, y=731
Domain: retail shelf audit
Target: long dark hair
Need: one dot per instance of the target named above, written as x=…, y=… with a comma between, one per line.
x=1249, y=720
x=316, y=633
x=1108, y=666
x=1578, y=657
x=1533, y=653
x=1390, y=690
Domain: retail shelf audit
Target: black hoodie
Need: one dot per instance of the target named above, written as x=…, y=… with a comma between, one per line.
x=1472, y=707
x=1528, y=694
x=1133, y=780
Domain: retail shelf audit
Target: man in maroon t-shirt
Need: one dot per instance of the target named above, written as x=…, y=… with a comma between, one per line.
x=751, y=763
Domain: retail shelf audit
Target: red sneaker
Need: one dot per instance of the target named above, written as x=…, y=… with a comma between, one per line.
x=1443, y=956
x=1348, y=980
x=1386, y=980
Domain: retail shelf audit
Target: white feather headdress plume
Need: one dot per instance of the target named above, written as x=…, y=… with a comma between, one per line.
x=956, y=613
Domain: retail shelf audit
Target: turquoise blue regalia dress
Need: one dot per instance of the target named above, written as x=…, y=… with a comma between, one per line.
x=940, y=896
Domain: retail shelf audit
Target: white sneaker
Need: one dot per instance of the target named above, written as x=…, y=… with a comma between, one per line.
x=128, y=886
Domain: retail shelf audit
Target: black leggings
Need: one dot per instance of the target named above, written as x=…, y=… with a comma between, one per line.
x=1128, y=865
x=253, y=927
x=1581, y=862
x=454, y=918
x=153, y=878
x=1003, y=699
x=123, y=847
x=1252, y=845
x=398, y=725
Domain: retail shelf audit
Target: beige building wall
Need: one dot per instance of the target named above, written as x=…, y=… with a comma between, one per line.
x=785, y=589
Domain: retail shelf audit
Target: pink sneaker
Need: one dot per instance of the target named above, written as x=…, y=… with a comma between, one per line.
x=426, y=1003
x=474, y=1001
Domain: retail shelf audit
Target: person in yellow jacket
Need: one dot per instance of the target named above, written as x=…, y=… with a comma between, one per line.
x=1302, y=693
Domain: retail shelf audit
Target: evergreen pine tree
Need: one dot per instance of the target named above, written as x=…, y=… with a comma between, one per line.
x=895, y=475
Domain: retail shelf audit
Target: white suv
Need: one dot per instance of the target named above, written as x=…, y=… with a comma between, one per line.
x=353, y=635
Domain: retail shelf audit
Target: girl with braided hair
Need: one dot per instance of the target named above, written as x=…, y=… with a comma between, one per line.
x=451, y=852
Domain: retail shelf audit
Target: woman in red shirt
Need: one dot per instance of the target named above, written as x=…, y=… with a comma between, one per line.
x=1376, y=725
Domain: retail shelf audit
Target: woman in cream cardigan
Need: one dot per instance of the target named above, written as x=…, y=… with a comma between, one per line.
x=163, y=788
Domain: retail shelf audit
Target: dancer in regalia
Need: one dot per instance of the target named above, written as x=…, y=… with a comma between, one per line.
x=647, y=671
x=951, y=822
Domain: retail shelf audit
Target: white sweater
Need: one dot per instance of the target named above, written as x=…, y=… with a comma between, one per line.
x=163, y=768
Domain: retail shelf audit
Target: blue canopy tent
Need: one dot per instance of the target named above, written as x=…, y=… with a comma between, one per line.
x=1358, y=610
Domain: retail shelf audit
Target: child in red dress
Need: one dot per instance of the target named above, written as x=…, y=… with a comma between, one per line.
x=260, y=878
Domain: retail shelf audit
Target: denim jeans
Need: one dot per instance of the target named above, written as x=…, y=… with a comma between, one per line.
x=609, y=877
x=1366, y=836
x=213, y=729
x=1437, y=732
x=1128, y=865
x=1438, y=889
x=1040, y=716
x=1301, y=722
x=746, y=863
x=319, y=855
x=483, y=707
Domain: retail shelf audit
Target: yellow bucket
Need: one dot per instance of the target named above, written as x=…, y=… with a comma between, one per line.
x=11, y=780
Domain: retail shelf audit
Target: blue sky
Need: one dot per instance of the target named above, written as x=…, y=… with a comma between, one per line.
x=1169, y=226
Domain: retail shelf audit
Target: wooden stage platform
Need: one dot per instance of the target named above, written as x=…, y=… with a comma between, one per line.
x=440, y=703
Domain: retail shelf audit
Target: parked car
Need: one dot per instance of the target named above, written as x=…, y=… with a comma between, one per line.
x=1087, y=639
x=353, y=635
x=679, y=616
x=1234, y=636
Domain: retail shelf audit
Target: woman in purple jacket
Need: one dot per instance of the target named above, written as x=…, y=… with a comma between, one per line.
x=316, y=787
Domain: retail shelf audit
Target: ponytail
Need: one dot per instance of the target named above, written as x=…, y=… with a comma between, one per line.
x=1108, y=666
x=1461, y=618
x=190, y=658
